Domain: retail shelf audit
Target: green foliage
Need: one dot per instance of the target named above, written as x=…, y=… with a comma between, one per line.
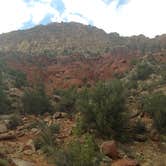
x=132, y=84
x=4, y=102
x=102, y=108
x=139, y=128
x=143, y=71
x=54, y=128
x=4, y=162
x=14, y=121
x=134, y=62
x=68, y=100
x=155, y=105
x=46, y=140
x=36, y=102
x=19, y=77
x=79, y=154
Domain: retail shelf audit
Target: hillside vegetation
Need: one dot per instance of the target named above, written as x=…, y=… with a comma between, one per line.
x=74, y=38
x=73, y=95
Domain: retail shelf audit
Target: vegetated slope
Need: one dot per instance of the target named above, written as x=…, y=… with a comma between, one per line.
x=139, y=62
x=66, y=54
x=61, y=38
x=75, y=38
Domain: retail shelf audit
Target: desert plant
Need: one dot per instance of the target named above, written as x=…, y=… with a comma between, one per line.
x=4, y=102
x=4, y=162
x=79, y=154
x=19, y=77
x=46, y=139
x=139, y=127
x=102, y=108
x=143, y=70
x=36, y=102
x=14, y=121
x=155, y=105
x=68, y=100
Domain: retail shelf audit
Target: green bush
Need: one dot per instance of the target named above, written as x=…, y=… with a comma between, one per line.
x=46, y=139
x=139, y=128
x=19, y=77
x=14, y=121
x=4, y=102
x=132, y=84
x=134, y=61
x=4, y=162
x=102, y=108
x=36, y=102
x=143, y=71
x=79, y=154
x=155, y=105
x=68, y=100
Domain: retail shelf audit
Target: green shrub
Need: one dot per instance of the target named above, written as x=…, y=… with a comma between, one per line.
x=79, y=154
x=143, y=71
x=4, y=102
x=19, y=77
x=102, y=108
x=36, y=102
x=46, y=140
x=134, y=62
x=54, y=128
x=4, y=162
x=155, y=105
x=14, y=121
x=132, y=84
x=139, y=128
x=68, y=100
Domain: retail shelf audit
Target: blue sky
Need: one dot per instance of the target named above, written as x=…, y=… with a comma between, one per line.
x=127, y=17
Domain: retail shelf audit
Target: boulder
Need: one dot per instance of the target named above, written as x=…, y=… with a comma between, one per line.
x=125, y=162
x=109, y=148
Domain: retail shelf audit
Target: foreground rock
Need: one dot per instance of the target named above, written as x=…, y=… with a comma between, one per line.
x=154, y=135
x=59, y=115
x=7, y=136
x=20, y=162
x=109, y=148
x=125, y=162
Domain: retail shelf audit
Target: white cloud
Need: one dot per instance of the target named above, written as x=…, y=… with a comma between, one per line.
x=38, y=10
x=12, y=15
x=133, y=18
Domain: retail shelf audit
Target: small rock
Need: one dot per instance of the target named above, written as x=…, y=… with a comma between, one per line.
x=109, y=148
x=28, y=152
x=154, y=135
x=59, y=115
x=34, y=130
x=125, y=162
x=47, y=119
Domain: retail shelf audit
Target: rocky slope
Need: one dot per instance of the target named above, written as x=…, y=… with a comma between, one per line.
x=62, y=55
